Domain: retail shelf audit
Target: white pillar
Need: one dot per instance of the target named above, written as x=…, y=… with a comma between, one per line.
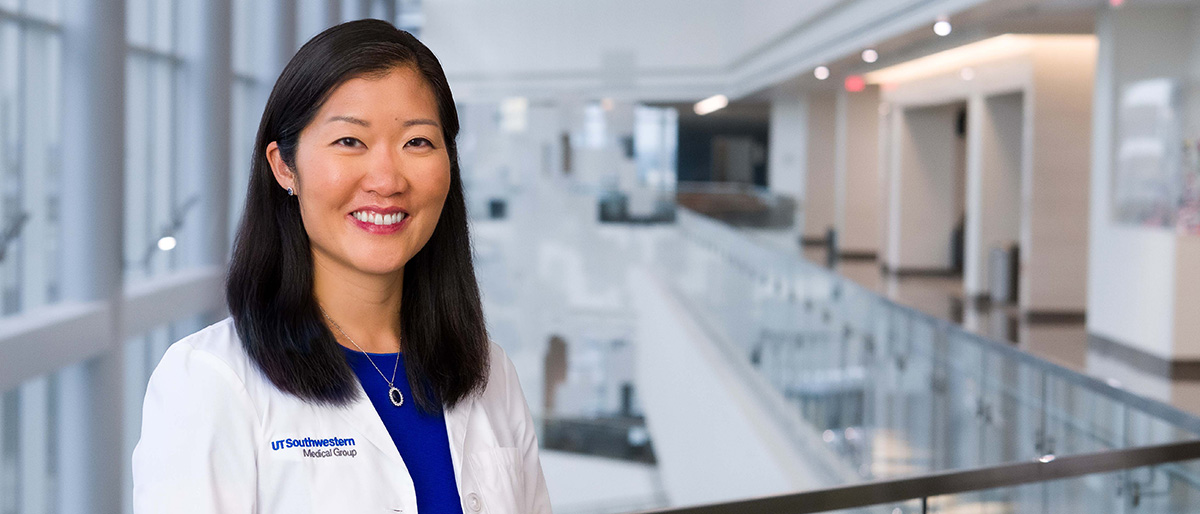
x=818, y=204
x=974, y=254
x=333, y=13
x=788, y=147
x=996, y=161
x=1054, y=249
x=923, y=189
x=857, y=185
x=89, y=408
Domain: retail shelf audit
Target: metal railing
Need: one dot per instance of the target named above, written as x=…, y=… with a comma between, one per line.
x=942, y=484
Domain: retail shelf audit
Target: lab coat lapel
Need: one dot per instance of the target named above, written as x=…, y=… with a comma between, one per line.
x=362, y=416
x=456, y=432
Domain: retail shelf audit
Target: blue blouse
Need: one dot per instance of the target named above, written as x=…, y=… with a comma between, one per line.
x=421, y=437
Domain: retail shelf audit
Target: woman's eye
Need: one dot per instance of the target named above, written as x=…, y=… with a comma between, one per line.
x=420, y=142
x=349, y=142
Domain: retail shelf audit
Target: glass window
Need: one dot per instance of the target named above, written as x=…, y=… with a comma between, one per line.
x=153, y=216
x=137, y=22
x=28, y=446
x=30, y=71
x=150, y=24
x=312, y=17
x=410, y=16
x=656, y=139
x=252, y=26
x=11, y=210
x=40, y=10
x=155, y=212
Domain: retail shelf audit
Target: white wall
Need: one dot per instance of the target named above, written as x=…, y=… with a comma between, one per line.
x=927, y=188
x=819, y=205
x=858, y=182
x=788, y=149
x=1054, y=254
x=1054, y=76
x=1135, y=274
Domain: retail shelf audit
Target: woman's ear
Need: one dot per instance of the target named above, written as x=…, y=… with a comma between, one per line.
x=283, y=174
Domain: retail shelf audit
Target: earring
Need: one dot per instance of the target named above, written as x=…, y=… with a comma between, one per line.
x=290, y=193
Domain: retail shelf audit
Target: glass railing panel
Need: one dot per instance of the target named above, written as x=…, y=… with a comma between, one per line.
x=893, y=391
x=1163, y=489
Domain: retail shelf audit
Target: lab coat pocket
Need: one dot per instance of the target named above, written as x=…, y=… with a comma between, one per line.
x=498, y=481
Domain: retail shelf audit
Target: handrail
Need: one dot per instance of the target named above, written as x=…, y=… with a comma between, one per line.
x=956, y=482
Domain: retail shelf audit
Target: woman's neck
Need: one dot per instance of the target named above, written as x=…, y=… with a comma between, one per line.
x=365, y=306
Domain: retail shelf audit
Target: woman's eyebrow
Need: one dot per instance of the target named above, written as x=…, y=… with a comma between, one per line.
x=348, y=119
x=420, y=121
x=365, y=123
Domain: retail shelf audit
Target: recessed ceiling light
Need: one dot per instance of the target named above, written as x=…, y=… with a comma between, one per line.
x=870, y=55
x=711, y=104
x=821, y=72
x=942, y=28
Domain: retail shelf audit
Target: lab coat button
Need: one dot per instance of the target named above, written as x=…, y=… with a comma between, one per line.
x=473, y=502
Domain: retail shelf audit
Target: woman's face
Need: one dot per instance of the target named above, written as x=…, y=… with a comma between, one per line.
x=372, y=173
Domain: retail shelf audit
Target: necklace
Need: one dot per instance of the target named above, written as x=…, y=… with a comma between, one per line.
x=394, y=394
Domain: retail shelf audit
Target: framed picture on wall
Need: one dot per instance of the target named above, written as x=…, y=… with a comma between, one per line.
x=1149, y=182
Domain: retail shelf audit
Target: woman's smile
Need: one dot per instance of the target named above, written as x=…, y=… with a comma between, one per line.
x=380, y=220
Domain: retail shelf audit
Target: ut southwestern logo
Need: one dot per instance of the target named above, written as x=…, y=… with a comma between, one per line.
x=318, y=448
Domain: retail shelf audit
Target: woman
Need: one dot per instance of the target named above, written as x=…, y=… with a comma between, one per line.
x=355, y=373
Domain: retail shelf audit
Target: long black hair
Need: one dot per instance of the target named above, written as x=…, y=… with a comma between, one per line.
x=270, y=284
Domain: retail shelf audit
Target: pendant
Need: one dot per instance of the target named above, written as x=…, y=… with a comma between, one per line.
x=396, y=396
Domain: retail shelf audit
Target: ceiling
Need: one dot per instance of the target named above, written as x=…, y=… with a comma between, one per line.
x=683, y=50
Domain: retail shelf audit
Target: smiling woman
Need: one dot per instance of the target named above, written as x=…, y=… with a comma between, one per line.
x=352, y=256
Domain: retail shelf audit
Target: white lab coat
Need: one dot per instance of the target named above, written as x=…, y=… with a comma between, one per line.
x=211, y=421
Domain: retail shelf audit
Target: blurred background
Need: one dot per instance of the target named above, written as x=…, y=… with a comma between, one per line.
x=736, y=249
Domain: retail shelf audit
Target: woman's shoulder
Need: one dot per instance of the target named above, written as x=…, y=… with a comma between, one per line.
x=214, y=351
x=219, y=340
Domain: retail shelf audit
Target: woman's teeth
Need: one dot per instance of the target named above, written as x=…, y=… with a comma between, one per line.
x=378, y=219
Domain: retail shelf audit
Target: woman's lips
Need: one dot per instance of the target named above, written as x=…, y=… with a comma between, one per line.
x=379, y=229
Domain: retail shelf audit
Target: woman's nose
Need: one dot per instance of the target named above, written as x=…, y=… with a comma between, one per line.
x=385, y=174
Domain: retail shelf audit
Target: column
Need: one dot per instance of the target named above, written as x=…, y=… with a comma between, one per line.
x=284, y=44
x=788, y=150
x=995, y=164
x=1054, y=246
x=923, y=193
x=89, y=408
x=818, y=205
x=857, y=182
